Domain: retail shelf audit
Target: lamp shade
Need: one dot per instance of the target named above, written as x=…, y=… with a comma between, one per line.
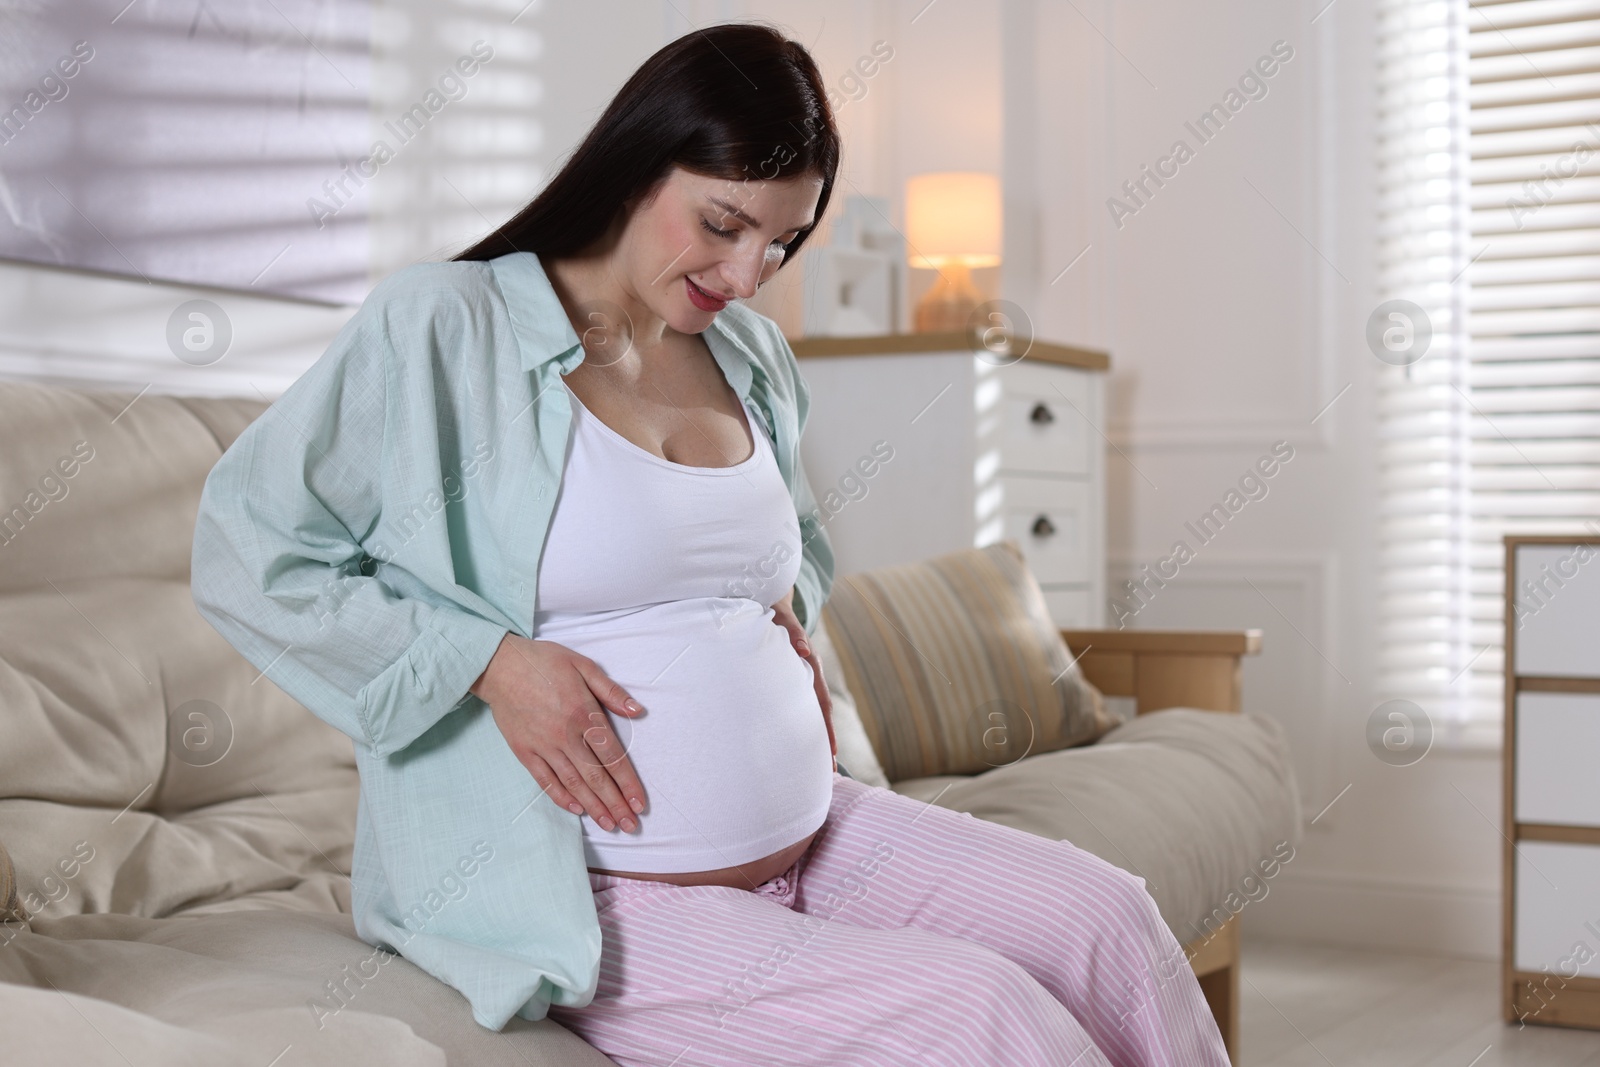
x=953, y=217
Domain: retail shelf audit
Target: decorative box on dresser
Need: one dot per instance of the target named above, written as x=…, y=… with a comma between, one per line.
x=1551, y=963
x=921, y=444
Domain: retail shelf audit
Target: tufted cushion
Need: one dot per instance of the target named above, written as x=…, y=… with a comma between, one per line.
x=956, y=665
x=147, y=768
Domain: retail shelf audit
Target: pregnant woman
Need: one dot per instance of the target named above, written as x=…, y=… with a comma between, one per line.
x=535, y=534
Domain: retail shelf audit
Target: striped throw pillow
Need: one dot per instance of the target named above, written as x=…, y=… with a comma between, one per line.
x=956, y=666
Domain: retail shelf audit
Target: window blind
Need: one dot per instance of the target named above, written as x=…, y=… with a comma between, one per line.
x=1533, y=364
x=1424, y=547
x=1489, y=201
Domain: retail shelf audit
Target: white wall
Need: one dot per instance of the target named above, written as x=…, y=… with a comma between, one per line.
x=1233, y=304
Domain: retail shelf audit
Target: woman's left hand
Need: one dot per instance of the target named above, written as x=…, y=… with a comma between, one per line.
x=783, y=614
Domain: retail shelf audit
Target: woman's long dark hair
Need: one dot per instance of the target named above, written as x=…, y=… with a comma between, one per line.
x=737, y=101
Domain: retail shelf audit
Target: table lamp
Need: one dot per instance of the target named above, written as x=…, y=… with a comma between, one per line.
x=952, y=225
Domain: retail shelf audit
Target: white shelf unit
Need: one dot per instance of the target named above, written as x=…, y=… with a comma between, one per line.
x=1551, y=947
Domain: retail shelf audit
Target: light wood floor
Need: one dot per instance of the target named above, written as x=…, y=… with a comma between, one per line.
x=1310, y=1006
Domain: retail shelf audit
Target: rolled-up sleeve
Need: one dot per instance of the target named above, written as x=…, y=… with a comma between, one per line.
x=279, y=570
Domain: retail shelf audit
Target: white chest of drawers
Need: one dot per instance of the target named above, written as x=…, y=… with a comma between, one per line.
x=1551, y=967
x=917, y=446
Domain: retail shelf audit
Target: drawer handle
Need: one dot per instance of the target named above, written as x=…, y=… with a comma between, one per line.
x=1041, y=414
x=1043, y=527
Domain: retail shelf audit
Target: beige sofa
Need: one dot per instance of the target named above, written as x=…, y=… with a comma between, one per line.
x=180, y=828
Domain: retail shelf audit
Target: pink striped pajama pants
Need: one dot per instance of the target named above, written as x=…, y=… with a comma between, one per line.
x=906, y=934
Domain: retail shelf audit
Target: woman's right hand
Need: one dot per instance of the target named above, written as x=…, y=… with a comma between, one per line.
x=550, y=703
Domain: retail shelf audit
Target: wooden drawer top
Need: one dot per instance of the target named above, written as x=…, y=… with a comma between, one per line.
x=954, y=341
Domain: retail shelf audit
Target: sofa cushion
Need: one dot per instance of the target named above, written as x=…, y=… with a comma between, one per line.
x=45, y=1026
x=205, y=784
x=956, y=665
x=238, y=988
x=147, y=767
x=117, y=692
x=102, y=485
x=1194, y=802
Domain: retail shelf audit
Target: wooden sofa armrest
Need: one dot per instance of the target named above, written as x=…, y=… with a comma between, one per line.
x=1165, y=668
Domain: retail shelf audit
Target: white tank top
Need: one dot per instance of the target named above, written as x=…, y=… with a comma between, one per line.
x=664, y=574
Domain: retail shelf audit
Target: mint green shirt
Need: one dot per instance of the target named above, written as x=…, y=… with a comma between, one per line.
x=368, y=541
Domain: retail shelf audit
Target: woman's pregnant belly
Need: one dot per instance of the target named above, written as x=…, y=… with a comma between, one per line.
x=732, y=748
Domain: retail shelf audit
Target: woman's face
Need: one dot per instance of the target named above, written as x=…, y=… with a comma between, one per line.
x=700, y=242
